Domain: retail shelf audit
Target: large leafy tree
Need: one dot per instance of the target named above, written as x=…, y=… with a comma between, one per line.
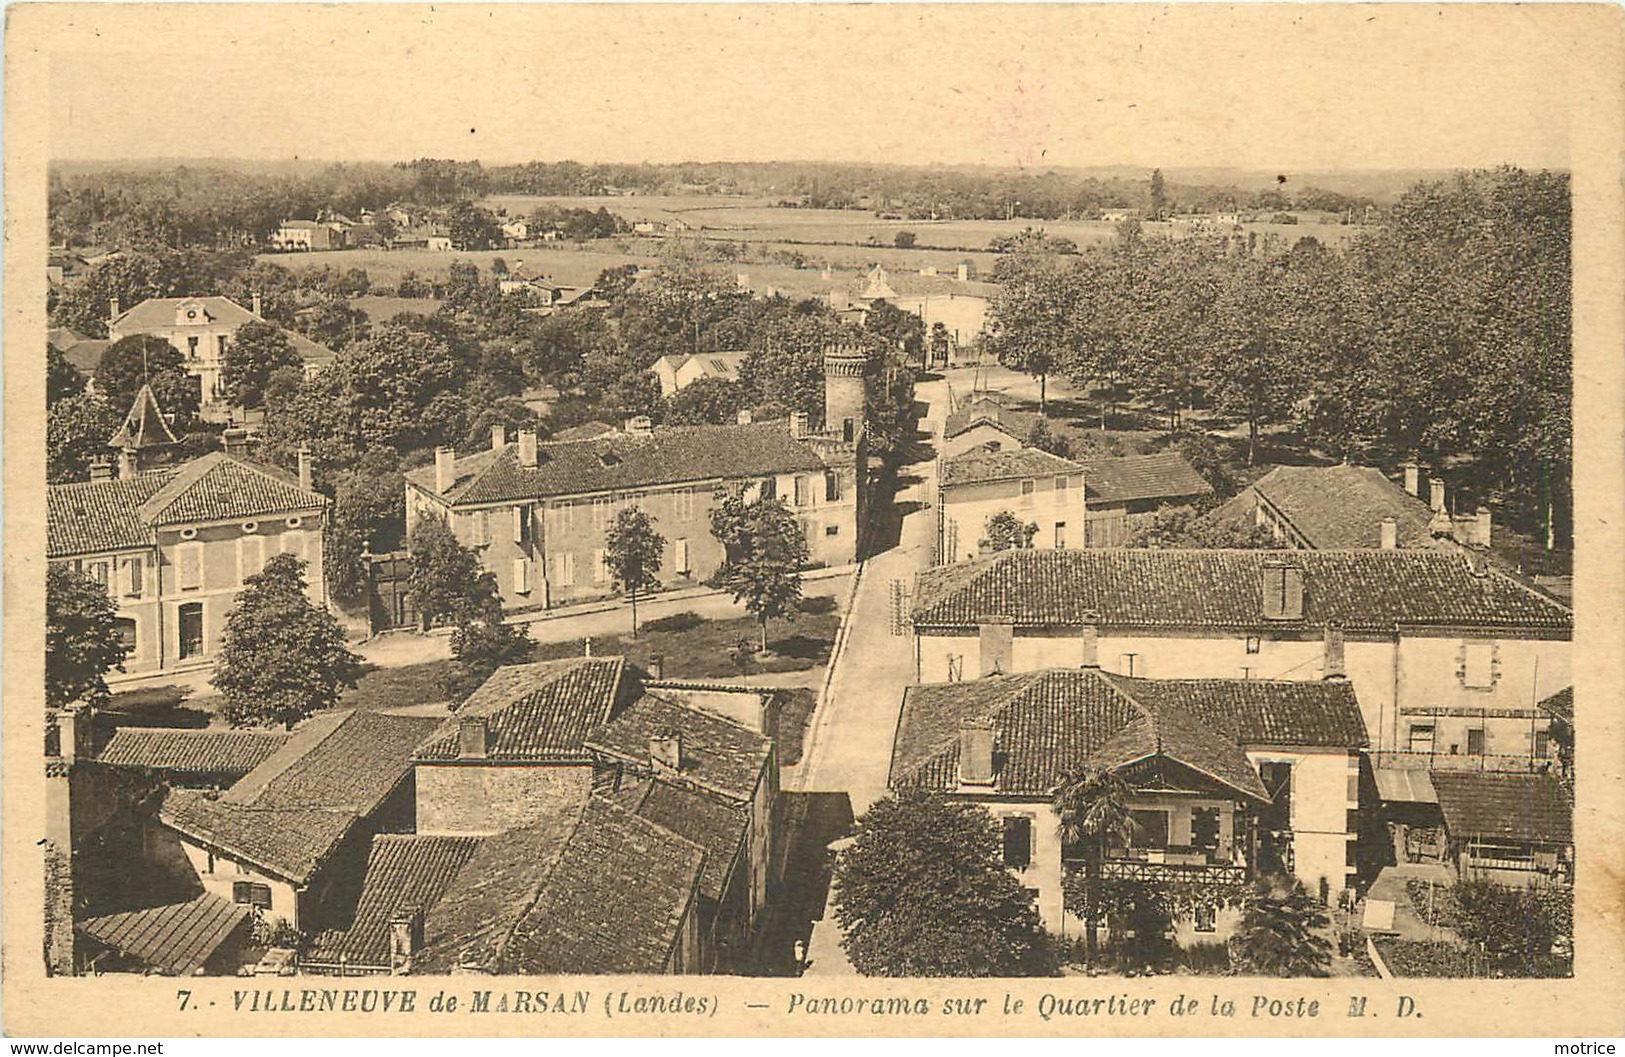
x=82, y=642
x=368, y=515
x=282, y=657
x=256, y=351
x=923, y=891
x=77, y=430
x=147, y=359
x=705, y=401
x=62, y=379
x=765, y=549
x=446, y=582
x=1282, y=931
x=1092, y=809
x=1004, y=532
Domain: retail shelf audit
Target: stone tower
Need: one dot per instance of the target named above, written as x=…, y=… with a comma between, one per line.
x=844, y=367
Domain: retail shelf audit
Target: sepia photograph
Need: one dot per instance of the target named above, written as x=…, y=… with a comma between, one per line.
x=827, y=497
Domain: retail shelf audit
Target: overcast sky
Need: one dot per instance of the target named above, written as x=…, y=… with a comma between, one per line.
x=1268, y=87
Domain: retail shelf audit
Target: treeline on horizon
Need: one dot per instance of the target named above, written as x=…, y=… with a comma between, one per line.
x=219, y=206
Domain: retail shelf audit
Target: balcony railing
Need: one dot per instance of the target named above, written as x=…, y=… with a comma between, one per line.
x=1145, y=870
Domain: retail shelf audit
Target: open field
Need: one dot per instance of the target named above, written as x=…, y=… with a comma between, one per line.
x=564, y=264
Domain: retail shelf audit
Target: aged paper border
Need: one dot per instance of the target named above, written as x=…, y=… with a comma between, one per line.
x=1587, y=37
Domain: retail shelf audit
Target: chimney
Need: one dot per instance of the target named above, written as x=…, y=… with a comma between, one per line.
x=112, y=308
x=1413, y=479
x=306, y=477
x=445, y=469
x=1436, y=494
x=527, y=447
x=259, y=307
x=1332, y=667
x=798, y=424
x=471, y=737
x=73, y=731
x=235, y=441
x=405, y=939
x=1485, y=526
x=1478, y=563
x=1090, y=641
x=499, y=435
x=976, y=754
x=997, y=645
x=1283, y=591
x=102, y=469
x=666, y=750
x=1390, y=534
x=743, y=417
x=639, y=426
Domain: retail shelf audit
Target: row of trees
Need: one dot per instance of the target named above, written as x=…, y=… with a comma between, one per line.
x=1443, y=333
x=923, y=890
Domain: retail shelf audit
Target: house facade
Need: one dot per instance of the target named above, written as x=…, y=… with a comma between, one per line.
x=174, y=546
x=307, y=235
x=537, y=513
x=678, y=372
x=1227, y=778
x=1041, y=489
x=1447, y=655
x=201, y=329
x=1120, y=486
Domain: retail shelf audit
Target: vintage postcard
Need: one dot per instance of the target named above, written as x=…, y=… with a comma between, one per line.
x=813, y=520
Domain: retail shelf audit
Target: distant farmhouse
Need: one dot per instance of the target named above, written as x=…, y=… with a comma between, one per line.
x=678, y=372
x=294, y=236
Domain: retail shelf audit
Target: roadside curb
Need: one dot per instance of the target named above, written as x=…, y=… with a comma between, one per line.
x=815, y=727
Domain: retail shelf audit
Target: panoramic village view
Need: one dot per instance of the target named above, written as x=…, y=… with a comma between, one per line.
x=807, y=569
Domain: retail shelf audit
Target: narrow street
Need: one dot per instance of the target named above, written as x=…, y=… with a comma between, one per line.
x=850, y=738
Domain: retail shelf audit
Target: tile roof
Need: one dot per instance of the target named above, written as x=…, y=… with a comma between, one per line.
x=144, y=426
x=990, y=408
x=289, y=813
x=592, y=890
x=720, y=827
x=1337, y=507
x=86, y=356
x=723, y=365
x=63, y=338
x=718, y=754
x=405, y=872
x=539, y=713
x=1560, y=705
x=1125, y=479
x=981, y=467
x=89, y=517
x=158, y=313
x=178, y=939
x=1355, y=590
x=218, y=486
x=191, y=752
x=1051, y=723
x=1264, y=712
x=86, y=517
x=670, y=455
x=1519, y=807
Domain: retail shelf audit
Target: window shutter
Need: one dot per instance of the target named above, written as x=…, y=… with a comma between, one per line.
x=133, y=575
x=521, y=576
x=189, y=566
x=600, y=571
x=680, y=561
x=519, y=524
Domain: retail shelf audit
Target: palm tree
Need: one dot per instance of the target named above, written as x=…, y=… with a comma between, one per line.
x=1092, y=806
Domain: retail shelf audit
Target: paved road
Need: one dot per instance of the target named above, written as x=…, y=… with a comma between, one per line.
x=850, y=742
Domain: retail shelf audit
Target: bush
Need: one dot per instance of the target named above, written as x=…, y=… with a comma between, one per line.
x=687, y=620
x=1206, y=958
x=817, y=604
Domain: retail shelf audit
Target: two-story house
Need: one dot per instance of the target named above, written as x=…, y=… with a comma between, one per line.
x=201, y=329
x=1042, y=490
x=678, y=372
x=537, y=513
x=1448, y=655
x=173, y=546
x=1226, y=776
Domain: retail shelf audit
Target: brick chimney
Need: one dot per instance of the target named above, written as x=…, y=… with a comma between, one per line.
x=499, y=435
x=102, y=469
x=445, y=469
x=1413, y=479
x=997, y=645
x=405, y=939
x=1333, y=666
x=527, y=447
x=259, y=309
x=112, y=308
x=1390, y=534
x=235, y=441
x=1485, y=526
x=1283, y=591
x=306, y=476
x=472, y=737
x=798, y=424
x=666, y=750
x=976, y=754
x=1436, y=494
